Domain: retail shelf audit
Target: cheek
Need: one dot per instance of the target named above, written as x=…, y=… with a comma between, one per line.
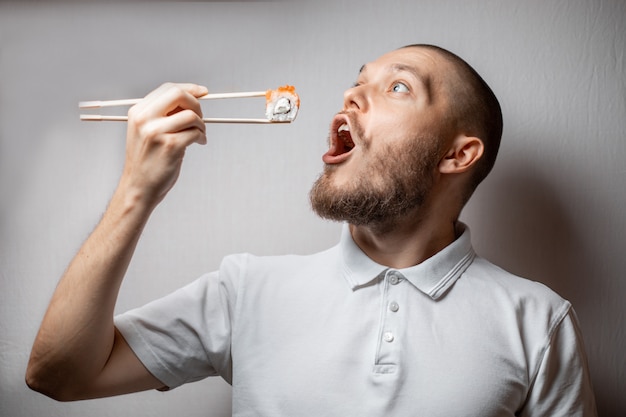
x=397, y=126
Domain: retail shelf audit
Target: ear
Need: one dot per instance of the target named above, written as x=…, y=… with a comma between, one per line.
x=463, y=153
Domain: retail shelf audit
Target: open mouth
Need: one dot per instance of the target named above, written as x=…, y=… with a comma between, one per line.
x=341, y=142
x=344, y=138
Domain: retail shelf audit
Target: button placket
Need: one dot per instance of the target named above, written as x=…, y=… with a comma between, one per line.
x=387, y=352
x=394, y=279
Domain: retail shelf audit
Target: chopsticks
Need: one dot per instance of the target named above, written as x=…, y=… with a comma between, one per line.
x=129, y=102
x=100, y=118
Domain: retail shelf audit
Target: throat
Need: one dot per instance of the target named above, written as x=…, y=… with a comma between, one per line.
x=397, y=245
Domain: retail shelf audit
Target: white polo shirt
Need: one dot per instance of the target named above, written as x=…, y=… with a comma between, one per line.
x=336, y=334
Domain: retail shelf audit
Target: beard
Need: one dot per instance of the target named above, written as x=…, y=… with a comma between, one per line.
x=395, y=182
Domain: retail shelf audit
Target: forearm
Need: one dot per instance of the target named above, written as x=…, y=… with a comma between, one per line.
x=76, y=336
x=77, y=353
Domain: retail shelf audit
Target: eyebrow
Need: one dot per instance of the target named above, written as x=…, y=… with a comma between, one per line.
x=408, y=68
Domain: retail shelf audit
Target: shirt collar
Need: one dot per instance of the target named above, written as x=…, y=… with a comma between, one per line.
x=433, y=277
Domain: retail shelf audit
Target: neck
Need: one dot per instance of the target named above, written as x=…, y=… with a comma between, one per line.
x=404, y=243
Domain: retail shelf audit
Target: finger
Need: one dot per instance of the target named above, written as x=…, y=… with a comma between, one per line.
x=170, y=98
x=185, y=121
x=185, y=138
x=195, y=90
x=175, y=99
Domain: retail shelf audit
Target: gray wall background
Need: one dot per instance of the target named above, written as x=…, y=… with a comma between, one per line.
x=552, y=210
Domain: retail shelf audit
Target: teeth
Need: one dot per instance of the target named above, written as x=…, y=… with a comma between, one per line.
x=344, y=136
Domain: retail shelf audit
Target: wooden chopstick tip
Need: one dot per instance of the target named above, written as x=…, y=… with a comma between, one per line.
x=88, y=104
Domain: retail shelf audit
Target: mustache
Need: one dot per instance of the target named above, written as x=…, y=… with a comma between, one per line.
x=349, y=114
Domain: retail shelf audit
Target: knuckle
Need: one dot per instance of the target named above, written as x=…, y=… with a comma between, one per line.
x=190, y=117
x=168, y=141
x=171, y=145
x=168, y=86
x=142, y=131
x=174, y=89
x=151, y=133
x=137, y=115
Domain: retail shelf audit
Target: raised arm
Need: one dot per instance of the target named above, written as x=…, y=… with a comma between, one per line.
x=78, y=353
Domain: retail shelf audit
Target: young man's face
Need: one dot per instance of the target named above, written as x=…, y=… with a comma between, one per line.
x=386, y=143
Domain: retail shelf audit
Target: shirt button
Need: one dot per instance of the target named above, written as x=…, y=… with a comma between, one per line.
x=388, y=337
x=393, y=306
x=393, y=279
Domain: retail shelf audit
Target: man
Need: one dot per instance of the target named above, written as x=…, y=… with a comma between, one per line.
x=401, y=318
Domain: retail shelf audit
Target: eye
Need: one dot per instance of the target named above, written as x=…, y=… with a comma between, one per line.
x=399, y=87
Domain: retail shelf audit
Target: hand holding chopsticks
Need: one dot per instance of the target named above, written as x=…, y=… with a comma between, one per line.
x=280, y=109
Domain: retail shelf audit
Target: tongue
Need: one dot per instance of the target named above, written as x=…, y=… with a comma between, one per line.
x=336, y=154
x=331, y=159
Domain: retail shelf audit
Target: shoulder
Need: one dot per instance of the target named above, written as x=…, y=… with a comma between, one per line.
x=521, y=314
x=245, y=266
x=494, y=279
x=531, y=304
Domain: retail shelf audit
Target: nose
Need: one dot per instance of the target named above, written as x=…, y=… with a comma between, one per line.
x=354, y=98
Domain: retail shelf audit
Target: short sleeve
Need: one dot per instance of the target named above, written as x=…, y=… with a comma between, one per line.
x=186, y=335
x=562, y=385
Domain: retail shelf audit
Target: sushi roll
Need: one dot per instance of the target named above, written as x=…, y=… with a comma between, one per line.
x=282, y=104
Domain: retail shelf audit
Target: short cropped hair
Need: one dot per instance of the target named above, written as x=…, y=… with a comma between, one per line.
x=474, y=110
